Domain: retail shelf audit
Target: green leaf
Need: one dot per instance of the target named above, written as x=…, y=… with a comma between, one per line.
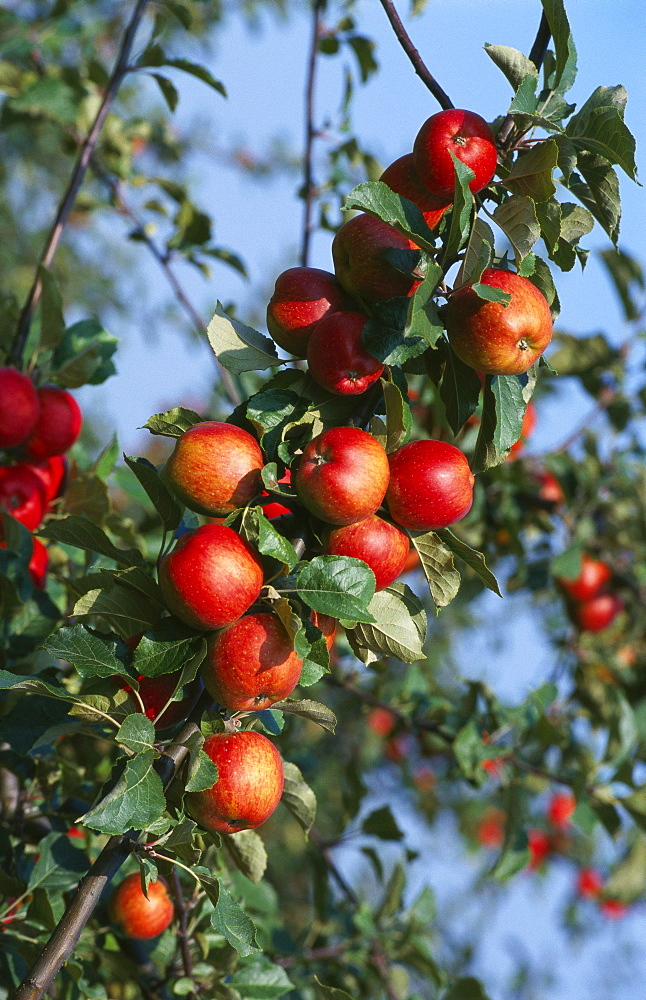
x=581, y=355
x=299, y=797
x=517, y=219
x=399, y=627
x=478, y=253
x=124, y=610
x=49, y=97
x=233, y=923
x=532, y=171
x=422, y=320
x=513, y=63
x=385, y=336
x=52, y=323
x=59, y=867
x=271, y=543
x=311, y=710
x=461, y=211
x=329, y=992
x=135, y=800
x=136, y=733
x=597, y=188
x=270, y=410
x=237, y=347
x=166, y=648
x=168, y=89
x=248, y=853
x=525, y=101
x=202, y=773
x=173, y=422
x=166, y=506
x=471, y=557
x=466, y=989
x=560, y=31
x=337, y=586
x=194, y=69
x=628, y=279
x=376, y=198
x=381, y=823
x=607, y=134
x=501, y=423
x=469, y=750
x=92, y=654
x=437, y=563
x=459, y=390
x=83, y=355
x=81, y=533
x=261, y=980
x=398, y=416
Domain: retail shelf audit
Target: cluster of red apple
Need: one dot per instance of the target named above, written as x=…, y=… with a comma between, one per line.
x=321, y=316
x=591, y=602
x=37, y=427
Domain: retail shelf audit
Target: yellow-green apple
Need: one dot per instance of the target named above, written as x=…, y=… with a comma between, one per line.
x=215, y=468
x=138, y=917
x=401, y=178
x=301, y=297
x=22, y=495
x=251, y=664
x=58, y=424
x=381, y=545
x=211, y=577
x=360, y=265
x=18, y=407
x=342, y=475
x=494, y=338
x=596, y=613
x=594, y=575
x=249, y=786
x=468, y=137
x=336, y=358
x=431, y=485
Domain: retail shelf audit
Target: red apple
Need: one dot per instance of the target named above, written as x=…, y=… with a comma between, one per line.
x=540, y=847
x=381, y=721
x=249, y=786
x=38, y=564
x=215, y=468
x=155, y=693
x=560, y=809
x=381, y=545
x=597, y=613
x=52, y=473
x=336, y=358
x=22, y=495
x=251, y=664
x=18, y=407
x=326, y=625
x=431, y=485
x=593, y=576
x=468, y=137
x=359, y=261
x=302, y=296
x=211, y=577
x=342, y=475
x=491, y=828
x=589, y=883
x=498, y=339
x=138, y=917
x=614, y=909
x=401, y=178
x=527, y=426
x=58, y=424
x=550, y=489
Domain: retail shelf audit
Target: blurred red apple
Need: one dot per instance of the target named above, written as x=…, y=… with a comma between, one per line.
x=381, y=545
x=593, y=576
x=431, y=485
x=155, y=693
x=468, y=137
x=302, y=296
x=52, y=473
x=560, y=809
x=596, y=613
x=336, y=358
x=589, y=883
x=19, y=407
x=58, y=424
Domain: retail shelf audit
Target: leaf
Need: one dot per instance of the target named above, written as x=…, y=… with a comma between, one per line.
x=517, y=219
x=49, y=97
x=194, y=69
x=376, y=198
x=83, y=355
x=466, y=989
x=381, y=823
x=59, y=867
x=337, y=585
x=525, y=101
x=299, y=797
x=166, y=506
x=560, y=31
x=607, y=134
x=422, y=320
x=168, y=89
x=399, y=627
x=513, y=63
x=237, y=347
x=92, y=654
x=311, y=710
x=329, y=992
x=233, y=923
x=135, y=800
x=173, y=423
x=471, y=557
x=531, y=173
x=478, y=253
x=270, y=410
x=501, y=423
x=271, y=543
x=126, y=612
x=52, y=322
x=461, y=211
x=628, y=279
x=598, y=191
x=248, y=853
x=398, y=416
x=81, y=533
x=136, y=733
x=166, y=648
x=261, y=980
x=459, y=390
x=437, y=563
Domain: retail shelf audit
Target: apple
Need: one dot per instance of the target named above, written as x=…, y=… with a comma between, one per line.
x=53, y=473
x=381, y=545
x=550, y=490
x=491, y=828
x=360, y=265
x=336, y=358
x=614, y=909
x=38, y=564
x=401, y=178
x=560, y=808
x=22, y=495
x=589, y=883
x=211, y=577
x=412, y=561
x=326, y=625
x=155, y=693
x=251, y=664
x=593, y=576
x=498, y=339
x=342, y=475
x=381, y=721
x=302, y=296
x=526, y=429
x=596, y=613
x=540, y=847
x=249, y=786
x=468, y=137
x=19, y=407
x=58, y=424
x=431, y=485
x=138, y=917
x=215, y=468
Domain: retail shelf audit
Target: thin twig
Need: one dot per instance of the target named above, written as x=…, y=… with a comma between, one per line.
x=418, y=63
x=345, y=888
x=312, y=955
x=184, y=946
x=120, y=70
x=309, y=187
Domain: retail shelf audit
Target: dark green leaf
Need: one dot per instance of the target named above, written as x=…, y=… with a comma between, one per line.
x=92, y=654
x=337, y=586
x=194, y=69
x=461, y=211
x=135, y=800
x=466, y=989
x=560, y=31
x=513, y=63
x=437, y=563
x=459, y=390
x=237, y=347
x=517, y=219
x=173, y=422
x=248, y=853
x=399, y=627
x=233, y=923
x=81, y=533
x=471, y=557
x=83, y=355
x=136, y=733
x=59, y=867
x=271, y=543
x=329, y=992
x=311, y=710
x=628, y=279
x=166, y=506
x=376, y=198
x=478, y=253
x=168, y=89
x=52, y=323
x=398, y=416
x=381, y=823
x=299, y=797
x=125, y=611
x=532, y=172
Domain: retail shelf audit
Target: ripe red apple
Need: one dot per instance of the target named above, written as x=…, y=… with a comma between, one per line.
x=38, y=564
x=251, y=664
x=468, y=137
x=336, y=358
x=359, y=261
x=491, y=828
x=550, y=489
x=211, y=577
x=589, y=883
x=560, y=809
x=596, y=613
x=593, y=575
x=302, y=296
x=326, y=625
x=52, y=473
x=18, y=407
x=614, y=909
x=381, y=545
x=381, y=721
x=155, y=693
x=58, y=424
x=249, y=786
x=498, y=339
x=342, y=475
x=527, y=427
x=22, y=495
x=540, y=847
x=401, y=178
x=138, y=917
x=215, y=468
x=431, y=485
